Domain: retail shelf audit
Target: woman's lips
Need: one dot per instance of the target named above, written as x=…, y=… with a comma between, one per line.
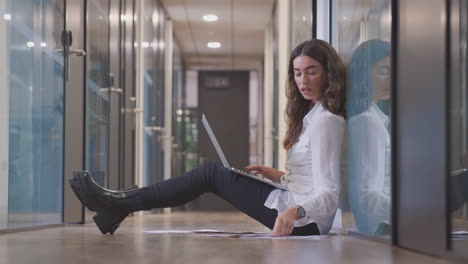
x=306, y=91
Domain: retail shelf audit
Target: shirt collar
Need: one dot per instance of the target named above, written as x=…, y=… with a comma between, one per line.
x=375, y=109
x=310, y=115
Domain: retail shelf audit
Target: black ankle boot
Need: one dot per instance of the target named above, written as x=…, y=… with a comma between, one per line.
x=111, y=206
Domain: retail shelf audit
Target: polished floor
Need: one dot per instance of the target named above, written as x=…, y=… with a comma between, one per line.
x=84, y=244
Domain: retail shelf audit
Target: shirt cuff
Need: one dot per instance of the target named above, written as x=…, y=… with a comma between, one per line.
x=284, y=180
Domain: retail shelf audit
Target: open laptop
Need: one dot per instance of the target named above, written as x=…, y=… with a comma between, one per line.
x=225, y=162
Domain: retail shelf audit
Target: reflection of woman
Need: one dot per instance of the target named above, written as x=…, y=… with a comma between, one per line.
x=368, y=137
x=315, y=113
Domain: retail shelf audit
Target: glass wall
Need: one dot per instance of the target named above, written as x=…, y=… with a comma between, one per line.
x=178, y=106
x=361, y=33
x=153, y=70
x=458, y=177
x=301, y=21
x=31, y=113
x=97, y=95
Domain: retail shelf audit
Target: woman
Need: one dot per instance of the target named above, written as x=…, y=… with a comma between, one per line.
x=315, y=111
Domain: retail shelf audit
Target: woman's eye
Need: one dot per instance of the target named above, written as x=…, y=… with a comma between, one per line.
x=311, y=73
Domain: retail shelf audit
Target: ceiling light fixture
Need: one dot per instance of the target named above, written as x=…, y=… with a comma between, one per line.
x=210, y=18
x=213, y=45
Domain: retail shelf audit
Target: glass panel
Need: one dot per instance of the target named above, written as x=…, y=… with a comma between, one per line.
x=153, y=45
x=301, y=21
x=35, y=111
x=97, y=90
x=361, y=34
x=148, y=70
x=177, y=113
x=458, y=178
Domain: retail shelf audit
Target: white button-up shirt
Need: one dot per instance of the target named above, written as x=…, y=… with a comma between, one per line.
x=313, y=170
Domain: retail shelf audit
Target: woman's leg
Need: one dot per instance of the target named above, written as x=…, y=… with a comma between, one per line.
x=245, y=194
x=242, y=192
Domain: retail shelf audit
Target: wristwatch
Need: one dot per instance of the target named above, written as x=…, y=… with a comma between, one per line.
x=300, y=211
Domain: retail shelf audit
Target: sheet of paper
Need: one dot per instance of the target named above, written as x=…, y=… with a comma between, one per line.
x=222, y=233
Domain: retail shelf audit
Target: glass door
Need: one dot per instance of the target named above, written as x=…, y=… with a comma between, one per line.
x=154, y=52
x=32, y=92
x=97, y=90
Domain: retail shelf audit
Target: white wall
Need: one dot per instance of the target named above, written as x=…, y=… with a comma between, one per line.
x=283, y=61
x=4, y=98
x=323, y=20
x=253, y=117
x=139, y=60
x=191, y=86
x=268, y=98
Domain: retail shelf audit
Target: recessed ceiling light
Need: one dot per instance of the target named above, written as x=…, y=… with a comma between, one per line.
x=213, y=45
x=210, y=18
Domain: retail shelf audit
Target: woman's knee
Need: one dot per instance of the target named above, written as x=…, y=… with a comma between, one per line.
x=213, y=172
x=210, y=167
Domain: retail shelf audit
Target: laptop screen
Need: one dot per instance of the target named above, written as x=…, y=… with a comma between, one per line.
x=215, y=142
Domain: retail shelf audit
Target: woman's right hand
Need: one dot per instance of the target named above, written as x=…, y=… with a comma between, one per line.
x=267, y=172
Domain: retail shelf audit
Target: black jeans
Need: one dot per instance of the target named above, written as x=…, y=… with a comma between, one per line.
x=245, y=194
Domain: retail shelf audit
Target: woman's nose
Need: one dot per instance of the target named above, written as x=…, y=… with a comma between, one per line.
x=303, y=79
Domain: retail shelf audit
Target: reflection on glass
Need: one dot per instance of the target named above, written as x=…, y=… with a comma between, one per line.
x=369, y=181
x=458, y=178
x=154, y=62
x=35, y=113
x=177, y=111
x=301, y=21
x=149, y=84
x=97, y=93
x=361, y=33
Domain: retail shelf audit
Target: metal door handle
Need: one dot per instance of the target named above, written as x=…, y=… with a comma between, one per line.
x=77, y=52
x=154, y=128
x=112, y=90
x=67, y=40
x=134, y=110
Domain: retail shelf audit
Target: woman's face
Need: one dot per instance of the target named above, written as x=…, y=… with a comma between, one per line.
x=381, y=79
x=309, y=76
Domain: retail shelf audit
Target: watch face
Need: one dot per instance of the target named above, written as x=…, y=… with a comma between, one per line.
x=301, y=211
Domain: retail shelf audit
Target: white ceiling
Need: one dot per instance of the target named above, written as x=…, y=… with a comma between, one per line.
x=240, y=29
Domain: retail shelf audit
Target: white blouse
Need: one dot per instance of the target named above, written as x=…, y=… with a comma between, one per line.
x=313, y=170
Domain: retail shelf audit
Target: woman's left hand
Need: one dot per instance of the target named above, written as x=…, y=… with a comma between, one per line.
x=284, y=223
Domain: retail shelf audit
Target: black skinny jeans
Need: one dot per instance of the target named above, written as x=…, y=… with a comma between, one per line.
x=245, y=194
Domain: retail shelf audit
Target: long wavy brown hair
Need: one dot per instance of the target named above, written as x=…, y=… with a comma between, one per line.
x=333, y=95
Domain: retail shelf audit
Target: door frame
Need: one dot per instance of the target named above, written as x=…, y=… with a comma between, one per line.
x=74, y=107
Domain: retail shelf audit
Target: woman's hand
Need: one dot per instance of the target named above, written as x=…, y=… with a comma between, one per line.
x=267, y=172
x=284, y=223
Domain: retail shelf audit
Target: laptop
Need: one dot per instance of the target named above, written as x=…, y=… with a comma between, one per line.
x=225, y=162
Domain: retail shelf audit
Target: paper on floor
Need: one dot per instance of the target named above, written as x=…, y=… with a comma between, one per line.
x=222, y=233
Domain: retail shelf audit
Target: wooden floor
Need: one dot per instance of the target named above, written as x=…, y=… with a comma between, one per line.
x=84, y=244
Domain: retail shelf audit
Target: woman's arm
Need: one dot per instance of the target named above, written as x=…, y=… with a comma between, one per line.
x=267, y=172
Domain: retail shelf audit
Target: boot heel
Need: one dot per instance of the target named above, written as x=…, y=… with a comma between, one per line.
x=104, y=224
x=108, y=222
